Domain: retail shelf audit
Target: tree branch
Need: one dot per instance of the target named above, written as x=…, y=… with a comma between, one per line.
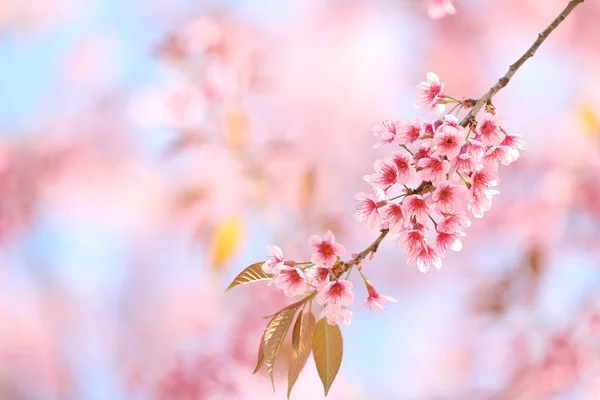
x=517, y=64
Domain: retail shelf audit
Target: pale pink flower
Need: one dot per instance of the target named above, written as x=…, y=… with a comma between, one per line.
x=482, y=180
x=376, y=301
x=453, y=223
x=436, y=9
x=425, y=259
x=498, y=154
x=393, y=216
x=386, y=174
x=421, y=153
x=367, y=209
x=337, y=292
x=445, y=241
x=430, y=93
x=515, y=142
x=489, y=130
x=409, y=131
x=321, y=276
x=274, y=263
x=449, y=140
x=481, y=202
x=433, y=169
x=476, y=150
x=406, y=171
x=416, y=205
x=412, y=241
x=292, y=281
x=385, y=133
x=464, y=163
x=333, y=313
x=326, y=250
x=447, y=196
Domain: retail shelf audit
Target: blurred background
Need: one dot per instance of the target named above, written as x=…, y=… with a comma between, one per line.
x=151, y=149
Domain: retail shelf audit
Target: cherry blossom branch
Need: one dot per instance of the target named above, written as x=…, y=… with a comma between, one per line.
x=372, y=249
x=502, y=82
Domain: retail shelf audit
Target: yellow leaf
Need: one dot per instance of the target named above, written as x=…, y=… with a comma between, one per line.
x=328, y=349
x=226, y=239
x=273, y=337
x=298, y=358
x=252, y=273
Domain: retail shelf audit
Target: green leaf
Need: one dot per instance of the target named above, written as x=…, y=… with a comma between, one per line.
x=253, y=273
x=328, y=349
x=298, y=358
x=274, y=335
x=261, y=354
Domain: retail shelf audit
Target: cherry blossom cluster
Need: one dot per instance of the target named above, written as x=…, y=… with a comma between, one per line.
x=440, y=171
x=320, y=276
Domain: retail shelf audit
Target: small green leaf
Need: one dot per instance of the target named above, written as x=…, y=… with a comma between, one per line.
x=253, y=273
x=298, y=359
x=261, y=354
x=328, y=349
x=274, y=335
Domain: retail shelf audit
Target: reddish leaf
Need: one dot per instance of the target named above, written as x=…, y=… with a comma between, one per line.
x=328, y=348
x=298, y=358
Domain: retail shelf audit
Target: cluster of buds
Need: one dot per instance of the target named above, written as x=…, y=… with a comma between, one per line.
x=441, y=171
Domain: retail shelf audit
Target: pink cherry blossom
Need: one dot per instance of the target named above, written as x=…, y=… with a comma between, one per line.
x=476, y=150
x=386, y=174
x=481, y=202
x=436, y=9
x=376, y=301
x=321, y=277
x=334, y=312
x=367, y=209
x=482, y=180
x=326, y=250
x=412, y=241
x=421, y=153
x=453, y=222
x=430, y=93
x=409, y=131
x=337, y=292
x=514, y=142
x=489, y=130
x=292, y=281
x=406, y=171
x=464, y=163
x=385, y=133
x=433, y=169
x=393, y=216
x=498, y=154
x=447, y=197
x=449, y=140
x=274, y=263
x=445, y=241
x=425, y=258
x=416, y=205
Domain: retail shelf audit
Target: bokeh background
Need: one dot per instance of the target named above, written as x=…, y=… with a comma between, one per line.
x=151, y=149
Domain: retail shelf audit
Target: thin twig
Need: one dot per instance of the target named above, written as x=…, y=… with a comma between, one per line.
x=517, y=64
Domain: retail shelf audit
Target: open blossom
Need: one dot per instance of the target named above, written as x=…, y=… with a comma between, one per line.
x=449, y=140
x=482, y=180
x=425, y=259
x=406, y=171
x=445, y=241
x=412, y=240
x=326, y=250
x=489, y=131
x=431, y=93
x=436, y=9
x=447, y=197
x=409, y=131
x=386, y=175
x=376, y=301
x=274, y=263
x=481, y=202
x=416, y=205
x=336, y=293
x=320, y=277
x=385, y=133
x=514, y=142
x=433, y=169
x=453, y=222
x=367, y=209
x=392, y=215
x=333, y=313
x=292, y=281
x=498, y=154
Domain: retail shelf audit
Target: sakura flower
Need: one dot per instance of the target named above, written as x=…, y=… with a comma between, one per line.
x=274, y=263
x=406, y=171
x=393, y=216
x=445, y=241
x=320, y=277
x=482, y=180
x=376, y=301
x=385, y=133
x=421, y=153
x=412, y=241
x=449, y=140
x=337, y=292
x=498, y=154
x=514, y=142
x=425, y=259
x=453, y=223
x=476, y=150
x=326, y=249
x=416, y=205
x=292, y=281
x=367, y=209
x=464, y=163
x=447, y=197
x=333, y=313
x=436, y=9
x=481, y=202
x=386, y=175
x=489, y=130
x=430, y=94
x=433, y=169
x=409, y=131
